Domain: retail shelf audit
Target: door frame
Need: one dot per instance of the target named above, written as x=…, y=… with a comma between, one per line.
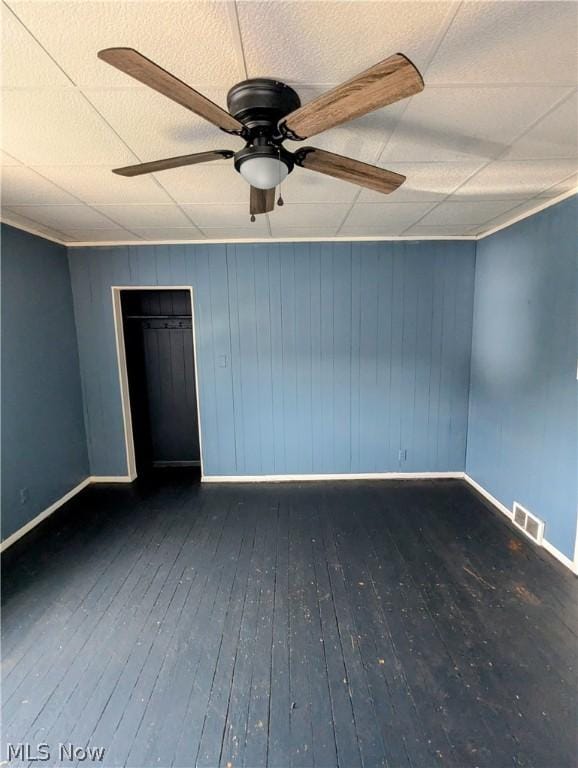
x=123, y=370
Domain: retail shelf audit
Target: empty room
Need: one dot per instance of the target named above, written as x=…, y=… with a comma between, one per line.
x=289, y=317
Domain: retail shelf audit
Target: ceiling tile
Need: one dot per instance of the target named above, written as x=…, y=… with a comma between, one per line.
x=424, y=181
x=467, y=215
x=23, y=222
x=386, y=230
x=451, y=124
x=168, y=233
x=234, y=233
x=440, y=139
x=527, y=208
x=329, y=42
x=235, y=215
x=392, y=217
x=57, y=128
x=193, y=40
x=155, y=127
x=302, y=232
x=513, y=213
x=6, y=159
x=515, y=179
x=304, y=186
x=509, y=42
x=319, y=215
x=65, y=218
x=561, y=187
x=18, y=46
x=100, y=236
x=97, y=184
x=131, y=216
x=425, y=230
x=22, y=185
x=210, y=183
x=554, y=136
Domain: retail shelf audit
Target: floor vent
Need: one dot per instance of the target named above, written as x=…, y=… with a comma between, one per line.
x=529, y=523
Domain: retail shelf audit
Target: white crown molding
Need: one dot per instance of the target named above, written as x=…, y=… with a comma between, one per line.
x=270, y=240
x=546, y=204
x=340, y=239
x=31, y=231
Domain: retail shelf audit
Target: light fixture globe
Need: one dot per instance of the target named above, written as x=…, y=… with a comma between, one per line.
x=264, y=166
x=263, y=172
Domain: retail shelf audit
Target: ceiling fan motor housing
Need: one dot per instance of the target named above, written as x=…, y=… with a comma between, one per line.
x=260, y=103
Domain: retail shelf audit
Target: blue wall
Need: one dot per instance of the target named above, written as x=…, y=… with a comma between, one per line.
x=43, y=437
x=523, y=415
x=312, y=357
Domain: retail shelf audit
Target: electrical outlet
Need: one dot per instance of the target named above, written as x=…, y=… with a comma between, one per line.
x=24, y=495
x=402, y=454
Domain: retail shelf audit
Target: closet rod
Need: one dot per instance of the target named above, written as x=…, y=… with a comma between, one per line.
x=158, y=317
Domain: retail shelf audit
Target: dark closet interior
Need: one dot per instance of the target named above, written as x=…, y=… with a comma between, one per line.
x=161, y=376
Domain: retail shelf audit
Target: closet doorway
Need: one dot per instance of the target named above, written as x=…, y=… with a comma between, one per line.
x=160, y=391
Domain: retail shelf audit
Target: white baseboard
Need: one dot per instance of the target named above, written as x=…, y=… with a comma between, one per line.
x=111, y=479
x=492, y=499
x=572, y=565
x=43, y=515
x=53, y=507
x=550, y=548
x=317, y=478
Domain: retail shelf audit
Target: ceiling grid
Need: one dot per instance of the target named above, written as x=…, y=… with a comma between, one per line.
x=493, y=136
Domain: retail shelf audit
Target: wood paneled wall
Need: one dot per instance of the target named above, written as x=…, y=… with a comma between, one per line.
x=312, y=357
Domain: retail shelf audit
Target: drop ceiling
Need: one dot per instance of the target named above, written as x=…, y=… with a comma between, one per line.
x=493, y=136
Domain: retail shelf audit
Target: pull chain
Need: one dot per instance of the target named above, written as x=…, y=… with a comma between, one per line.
x=280, y=201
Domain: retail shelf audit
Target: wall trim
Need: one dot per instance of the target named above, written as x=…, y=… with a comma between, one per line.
x=572, y=565
x=551, y=549
x=112, y=479
x=269, y=240
x=90, y=480
x=487, y=495
x=323, y=477
x=546, y=203
x=13, y=538
x=32, y=231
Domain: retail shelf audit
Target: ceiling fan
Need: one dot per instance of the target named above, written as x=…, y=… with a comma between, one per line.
x=264, y=113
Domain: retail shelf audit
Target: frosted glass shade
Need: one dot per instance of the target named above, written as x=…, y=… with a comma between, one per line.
x=263, y=172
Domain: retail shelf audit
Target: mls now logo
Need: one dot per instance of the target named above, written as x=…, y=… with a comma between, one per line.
x=42, y=752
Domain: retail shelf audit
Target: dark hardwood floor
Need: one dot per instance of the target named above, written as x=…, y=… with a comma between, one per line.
x=326, y=624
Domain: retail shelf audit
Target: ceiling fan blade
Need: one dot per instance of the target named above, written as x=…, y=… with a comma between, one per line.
x=370, y=176
x=173, y=162
x=144, y=70
x=389, y=81
x=262, y=200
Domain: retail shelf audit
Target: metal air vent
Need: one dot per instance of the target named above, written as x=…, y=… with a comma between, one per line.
x=531, y=525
